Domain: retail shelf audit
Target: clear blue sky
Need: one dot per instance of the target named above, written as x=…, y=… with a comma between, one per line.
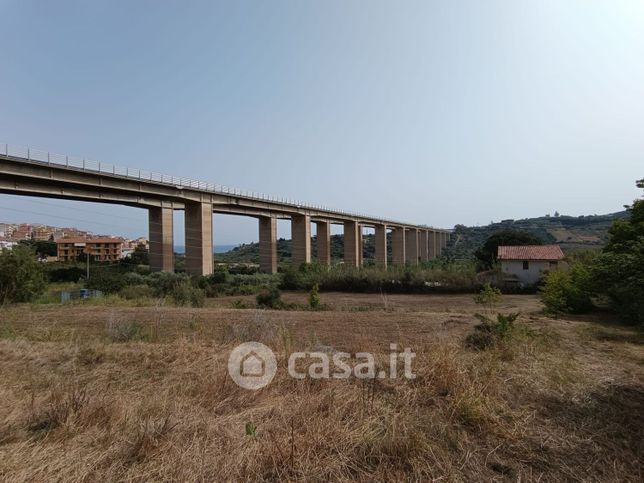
x=434, y=112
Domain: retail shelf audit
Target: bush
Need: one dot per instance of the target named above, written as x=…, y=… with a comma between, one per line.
x=567, y=291
x=488, y=296
x=290, y=280
x=164, y=283
x=133, y=278
x=269, y=298
x=106, y=280
x=66, y=274
x=185, y=294
x=213, y=284
x=490, y=332
x=21, y=275
x=135, y=292
x=314, y=297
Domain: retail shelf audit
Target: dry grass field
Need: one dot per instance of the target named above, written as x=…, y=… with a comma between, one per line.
x=99, y=393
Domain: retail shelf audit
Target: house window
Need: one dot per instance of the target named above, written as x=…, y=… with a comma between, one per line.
x=553, y=265
x=526, y=265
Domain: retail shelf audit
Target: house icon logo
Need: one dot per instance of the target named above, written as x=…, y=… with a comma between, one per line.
x=252, y=365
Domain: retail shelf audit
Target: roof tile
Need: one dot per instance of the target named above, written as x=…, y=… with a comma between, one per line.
x=530, y=252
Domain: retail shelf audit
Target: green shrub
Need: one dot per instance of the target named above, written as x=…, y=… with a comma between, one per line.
x=133, y=278
x=185, y=294
x=488, y=296
x=106, y=280
x=314, y=297
x=66, y=274
x=21, y=275
x=269, y=298
x=290, y=280
x=240, y=304
x=567, y=291
x=213, y=284
x=164, y=283
x=135, y=292
x=490, y=332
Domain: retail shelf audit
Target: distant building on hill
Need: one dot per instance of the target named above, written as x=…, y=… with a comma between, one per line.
x=101, y=249
x=6, y=243
x=528, y=263
x=42, y=233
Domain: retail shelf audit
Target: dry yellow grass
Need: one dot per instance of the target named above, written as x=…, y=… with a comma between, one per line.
x=563, y=401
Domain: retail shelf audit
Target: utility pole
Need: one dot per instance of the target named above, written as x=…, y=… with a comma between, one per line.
x=86, y=251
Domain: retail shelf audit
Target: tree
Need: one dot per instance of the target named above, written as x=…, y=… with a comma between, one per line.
x=618, y=271
x=488, y=252
x=21, y=275
x=43, y=248
x=140, y=255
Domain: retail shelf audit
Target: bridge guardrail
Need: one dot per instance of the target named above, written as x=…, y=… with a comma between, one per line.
x=84, y=164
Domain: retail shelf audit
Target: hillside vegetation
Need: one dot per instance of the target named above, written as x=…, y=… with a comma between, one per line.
x=571, y=232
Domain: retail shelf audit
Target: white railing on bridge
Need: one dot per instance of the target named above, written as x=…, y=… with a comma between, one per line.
x=75, y=162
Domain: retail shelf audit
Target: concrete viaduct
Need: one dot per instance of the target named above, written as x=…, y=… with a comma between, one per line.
x=25, y=171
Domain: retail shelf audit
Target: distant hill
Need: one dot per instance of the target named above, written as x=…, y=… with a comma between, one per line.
x=249, y=252
x=569, y=231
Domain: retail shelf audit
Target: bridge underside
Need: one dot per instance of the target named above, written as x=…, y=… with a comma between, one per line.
x=410, y=245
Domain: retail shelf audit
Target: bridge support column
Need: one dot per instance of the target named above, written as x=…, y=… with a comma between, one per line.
x=323, y=229
x=268, y=244
x=442, y=242
x=360, y=245
x=381, y=245
x=398, y=246
x=161, y=239
x=433, y=244
x=198, y=238
x=301, y=239
x=351, y=244
x=422, y=242
x=411, y=246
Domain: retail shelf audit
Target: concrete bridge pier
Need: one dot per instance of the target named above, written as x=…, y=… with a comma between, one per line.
x=398, y=246
x=360, y=245
x=323, y=230
x=198, y=226
x=411, y=246
x=443, y=241
x=268, y=244
x=161, y=239
x=381, y=245
x=433, y=244
x=423, y=238
x=351, y=244
x=301, y=239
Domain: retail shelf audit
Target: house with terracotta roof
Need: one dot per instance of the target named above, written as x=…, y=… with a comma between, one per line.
x=528, y=263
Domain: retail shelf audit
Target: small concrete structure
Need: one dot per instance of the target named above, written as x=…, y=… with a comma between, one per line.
x=529, y=262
